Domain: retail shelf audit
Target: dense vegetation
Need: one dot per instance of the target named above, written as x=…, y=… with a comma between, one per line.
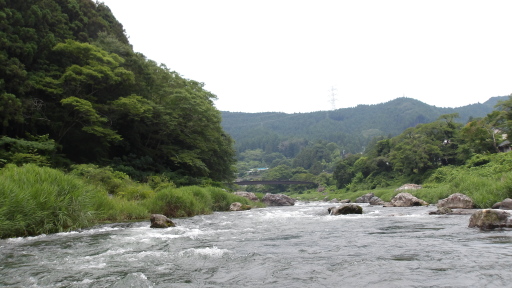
x=72, y=90
x=38, y=200
x=93, y=131
x=445, y=156
x=350, y=128
x=312, y=146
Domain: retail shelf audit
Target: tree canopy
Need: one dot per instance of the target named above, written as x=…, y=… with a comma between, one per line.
x=67, y=71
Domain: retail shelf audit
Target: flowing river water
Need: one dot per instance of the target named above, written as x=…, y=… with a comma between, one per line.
x=298, y=246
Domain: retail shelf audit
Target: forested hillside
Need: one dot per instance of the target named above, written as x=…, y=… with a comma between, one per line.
x=72, y=90
x=350, y=128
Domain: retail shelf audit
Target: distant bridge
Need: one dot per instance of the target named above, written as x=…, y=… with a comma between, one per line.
x=273, y=182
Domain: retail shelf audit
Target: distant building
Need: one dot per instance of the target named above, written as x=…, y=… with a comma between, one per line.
x=505, y=146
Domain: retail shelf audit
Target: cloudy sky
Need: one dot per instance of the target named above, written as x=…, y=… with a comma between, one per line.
x=288, y=55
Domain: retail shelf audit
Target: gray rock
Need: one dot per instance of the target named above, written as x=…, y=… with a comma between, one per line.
x=496, y=205
x=345, y=209
x=278, y=200
x=456, y=201
x=406, y=200
x=488, y=219
x=249, y=195
x=376, y=201
x=160, y=221
x=506, y=204
x=237, y=206
x=441, y=211
x=365, y=198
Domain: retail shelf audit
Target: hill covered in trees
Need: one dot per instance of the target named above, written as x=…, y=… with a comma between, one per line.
x=72, y=90
x=350, y=128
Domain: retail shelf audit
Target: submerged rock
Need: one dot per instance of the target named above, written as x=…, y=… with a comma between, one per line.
x=406, y=200
x=488, y=219
x=278, y=200
x=441, y=211
x=160, y=221
x=456, y=201
x=345, y=209
x=135, y=280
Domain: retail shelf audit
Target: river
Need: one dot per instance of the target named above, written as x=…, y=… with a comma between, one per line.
x=299, y=246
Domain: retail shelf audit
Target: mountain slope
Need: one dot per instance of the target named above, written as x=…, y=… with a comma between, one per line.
x=351, y=128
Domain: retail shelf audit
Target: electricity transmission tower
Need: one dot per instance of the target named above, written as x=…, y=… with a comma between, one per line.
x=332, y=98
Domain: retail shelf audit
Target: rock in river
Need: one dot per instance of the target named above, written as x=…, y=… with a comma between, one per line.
x=504, y=205
x=365, y=198
x=160, y=221
x=406, y=200
x=488, y=219
x=456, y=201
x=278, y=200
x=346, y=209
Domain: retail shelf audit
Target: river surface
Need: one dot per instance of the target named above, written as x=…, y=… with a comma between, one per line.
x=299, y=246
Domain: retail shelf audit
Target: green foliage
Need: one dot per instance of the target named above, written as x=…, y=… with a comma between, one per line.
x=68, y=71
x=112, y=181
x=191, y=200
x=37, y=200
x=36, y=150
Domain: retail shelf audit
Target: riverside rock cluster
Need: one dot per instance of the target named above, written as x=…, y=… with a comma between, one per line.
x=455, y=204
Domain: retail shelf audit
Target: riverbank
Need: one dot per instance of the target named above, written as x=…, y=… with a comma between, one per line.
x=40, y=200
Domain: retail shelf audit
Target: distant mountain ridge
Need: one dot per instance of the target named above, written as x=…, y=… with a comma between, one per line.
x=359, y=124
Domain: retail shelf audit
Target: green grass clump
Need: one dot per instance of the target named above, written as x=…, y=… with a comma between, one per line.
x=192, y=200
x=38, y=200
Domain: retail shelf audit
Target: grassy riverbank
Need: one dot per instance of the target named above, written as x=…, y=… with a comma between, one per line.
x=487, y=179
x=39, y=200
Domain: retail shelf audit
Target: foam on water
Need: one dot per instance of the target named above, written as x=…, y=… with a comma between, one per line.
x=210, y=252
x=299, y=246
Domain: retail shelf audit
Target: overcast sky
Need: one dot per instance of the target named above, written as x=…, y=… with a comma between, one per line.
x=287, y=55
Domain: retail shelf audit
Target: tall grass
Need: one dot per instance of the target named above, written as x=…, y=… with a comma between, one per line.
x=192, y=200
x=38, y=200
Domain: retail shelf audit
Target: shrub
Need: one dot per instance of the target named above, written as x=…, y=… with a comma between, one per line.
x=107, y=177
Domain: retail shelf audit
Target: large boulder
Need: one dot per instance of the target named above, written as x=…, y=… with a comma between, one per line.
x=504, y=205
x=365, y=198
x=456, y=201
x=488, y=219
x=406, y=200
x=237, y=206
x=249, y=195
x=278, y=200
x=160, y=221
x=346, y=209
